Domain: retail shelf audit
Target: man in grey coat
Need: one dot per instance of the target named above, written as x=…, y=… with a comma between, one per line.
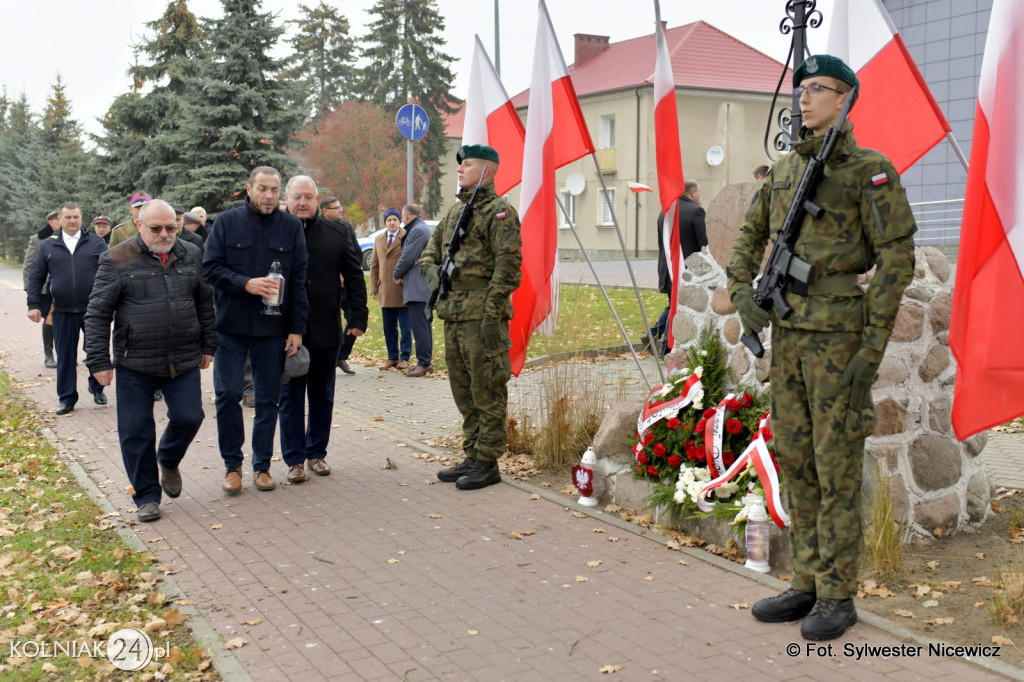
x=416, y=290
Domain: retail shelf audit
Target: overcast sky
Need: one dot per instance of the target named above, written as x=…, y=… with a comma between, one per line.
x=89, y=43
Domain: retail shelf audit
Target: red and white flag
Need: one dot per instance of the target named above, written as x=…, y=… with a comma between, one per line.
x=670, y=163
x=895, y=112
x=492, y=120
x=556, y=134
x=987, y=325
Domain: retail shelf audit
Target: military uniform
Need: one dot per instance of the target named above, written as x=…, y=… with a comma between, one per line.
x=819, y=439
x=487, y=272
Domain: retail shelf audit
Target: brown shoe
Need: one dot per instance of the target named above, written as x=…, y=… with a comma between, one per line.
x=263, y=481
x=297, y=474
x=389, y=364
x=249, y=400
x=402, y=364
x=319, y=467
x=233, y=481
x=344, y=367
x=418, y=371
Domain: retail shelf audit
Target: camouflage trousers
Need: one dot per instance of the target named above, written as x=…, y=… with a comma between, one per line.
x=479, y=380
x=820, y=457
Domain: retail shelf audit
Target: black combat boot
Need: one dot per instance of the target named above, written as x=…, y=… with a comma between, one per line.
x=782, y=608
x=481, y=475
x=828, y=619
x=48, y=346
x=452, y=474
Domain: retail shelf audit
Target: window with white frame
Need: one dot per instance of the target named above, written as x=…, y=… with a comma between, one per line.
x=606, y=131
x=569, y=202
x=606, y=215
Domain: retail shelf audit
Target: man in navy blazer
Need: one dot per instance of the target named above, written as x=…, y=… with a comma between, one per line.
x=416, y=289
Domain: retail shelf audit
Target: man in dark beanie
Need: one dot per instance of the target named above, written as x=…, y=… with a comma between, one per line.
x=825, y=355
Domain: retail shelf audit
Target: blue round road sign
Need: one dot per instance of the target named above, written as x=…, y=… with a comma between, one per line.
x=412, y=122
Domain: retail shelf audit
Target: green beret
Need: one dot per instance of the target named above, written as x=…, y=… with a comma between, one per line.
x=476, y=151
x=824, y=65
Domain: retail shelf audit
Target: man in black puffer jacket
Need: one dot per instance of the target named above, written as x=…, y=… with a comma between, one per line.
x=152, y=288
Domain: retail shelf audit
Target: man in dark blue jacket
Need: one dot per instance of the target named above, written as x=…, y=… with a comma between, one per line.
x=240, y=250
x=151, y=288
x=415, y=288
x=70, y=258
x=332, y=256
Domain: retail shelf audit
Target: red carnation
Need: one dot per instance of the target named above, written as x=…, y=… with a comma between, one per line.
x=768, y=435
x=648, y=437
x=659, y=450
x=641, y=457
x=695, y=455
x=733, y=405
x=652, y=470
x=709, y=413
x=675, y=461
x=734, y=426
x=701, y=425
x=728, y=458
x=673, y=423
x=747, y=400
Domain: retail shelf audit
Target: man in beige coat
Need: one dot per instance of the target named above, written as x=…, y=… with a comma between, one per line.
x=387, y=248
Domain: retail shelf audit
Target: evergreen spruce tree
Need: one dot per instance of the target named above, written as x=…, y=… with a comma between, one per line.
x=20, y=207
x=141, y=127
x=237, y=114
x=62, y=161
x=404, y=63
x=323, y=59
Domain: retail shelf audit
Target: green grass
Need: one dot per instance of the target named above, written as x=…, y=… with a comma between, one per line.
x=67, y=575
x=584, y=323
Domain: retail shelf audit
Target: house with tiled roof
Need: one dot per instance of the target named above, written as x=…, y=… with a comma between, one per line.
x=724, y=89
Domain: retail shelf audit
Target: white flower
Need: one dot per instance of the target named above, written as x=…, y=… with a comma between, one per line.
x=702, y=353
x=665, y=390
x=698, y=399
x=726, y=490
x=699, y=371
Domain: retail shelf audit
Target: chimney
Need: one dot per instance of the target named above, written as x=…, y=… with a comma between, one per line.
x=586, y=46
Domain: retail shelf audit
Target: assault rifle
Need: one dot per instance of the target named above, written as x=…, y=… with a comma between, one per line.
x=447, y=270
x=784, y=266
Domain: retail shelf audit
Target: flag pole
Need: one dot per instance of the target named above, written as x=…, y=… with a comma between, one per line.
x=625, y=256
x=615, y=314
x=956, y=150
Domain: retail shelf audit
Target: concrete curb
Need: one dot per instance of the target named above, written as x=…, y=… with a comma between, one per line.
x=226, y=664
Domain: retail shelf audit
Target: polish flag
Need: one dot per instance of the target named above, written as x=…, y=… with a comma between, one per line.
x=670, y=163
x=986, y=325
x=895, y=112
x=492, y=120
x=556, y=134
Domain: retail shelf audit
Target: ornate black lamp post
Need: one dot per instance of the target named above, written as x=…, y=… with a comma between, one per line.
x=800, y=14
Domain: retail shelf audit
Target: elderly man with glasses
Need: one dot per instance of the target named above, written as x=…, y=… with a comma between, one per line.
x=151, y=288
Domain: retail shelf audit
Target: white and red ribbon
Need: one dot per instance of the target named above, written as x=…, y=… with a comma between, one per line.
x=714, y=432
x=758, y=455
x=651, y=415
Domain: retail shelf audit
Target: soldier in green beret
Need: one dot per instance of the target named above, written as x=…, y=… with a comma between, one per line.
x=476, y=313
x=825, y=356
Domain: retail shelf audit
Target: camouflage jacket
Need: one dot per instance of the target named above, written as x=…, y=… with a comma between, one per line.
x=487, y=265
x=867, y=222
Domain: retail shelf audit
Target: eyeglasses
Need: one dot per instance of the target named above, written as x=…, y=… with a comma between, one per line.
x=157, y=229
x=814, y=89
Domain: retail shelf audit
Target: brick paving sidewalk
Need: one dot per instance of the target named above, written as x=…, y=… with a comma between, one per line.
x=384, y=574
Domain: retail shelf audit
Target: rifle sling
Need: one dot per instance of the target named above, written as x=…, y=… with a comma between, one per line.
x=825, y=286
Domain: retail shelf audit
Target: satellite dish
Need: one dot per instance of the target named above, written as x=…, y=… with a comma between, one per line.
x=575, y=183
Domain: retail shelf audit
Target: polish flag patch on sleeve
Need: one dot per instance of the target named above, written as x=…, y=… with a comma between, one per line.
x=879, y=179
x=500, y=215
